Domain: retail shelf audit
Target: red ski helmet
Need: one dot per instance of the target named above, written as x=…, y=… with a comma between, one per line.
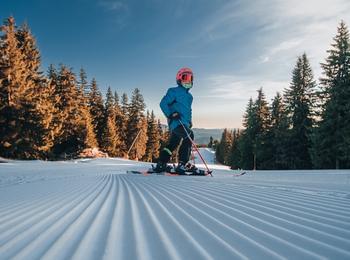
x=184, y=77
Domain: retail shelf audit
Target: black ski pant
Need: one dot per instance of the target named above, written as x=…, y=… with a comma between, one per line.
x=176, y=136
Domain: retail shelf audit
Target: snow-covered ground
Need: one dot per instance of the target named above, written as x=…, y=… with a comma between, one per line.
x=92, y=209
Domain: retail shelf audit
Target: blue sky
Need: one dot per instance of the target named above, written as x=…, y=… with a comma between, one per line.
x=234, y=47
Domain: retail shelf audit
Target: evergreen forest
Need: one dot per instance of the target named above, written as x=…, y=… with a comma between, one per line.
x=58, y=114
x=305, y=127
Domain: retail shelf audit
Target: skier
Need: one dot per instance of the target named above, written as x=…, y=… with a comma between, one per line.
x=177, y=107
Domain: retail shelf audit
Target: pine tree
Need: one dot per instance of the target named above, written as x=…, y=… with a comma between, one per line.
x=235, y=153
x=83, y=83
x=120, y=125
x=111, y=139
x=278, y=134
x=147, y=157
x=125, y=104
x=23, y=99
x=37, y=106
x=12, y=76
x=332, y=142
x=218, y=153
x=70, y=141
x=116, y=104
x=87, y=133
x=253, y=141
x=154, y=135
x=137, y=126
x=248, y=136
x=261, y=123
x=90, y=140
x=122, y=121
x=211, y=142
x=163, y=135
x=56, y=125
x=153, y=139
x=12, y=66
x=117, y=101
x=223, y=150
x=299, y=104
x=96, y=111
x=109, y=103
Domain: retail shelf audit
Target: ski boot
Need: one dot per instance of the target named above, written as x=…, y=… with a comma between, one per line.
x=161, y=167
x=181, y=169
x=191, y=168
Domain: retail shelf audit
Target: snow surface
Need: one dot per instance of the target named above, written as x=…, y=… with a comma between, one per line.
x=92, y=209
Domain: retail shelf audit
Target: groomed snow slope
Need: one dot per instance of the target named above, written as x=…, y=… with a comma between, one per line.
x=91, y=209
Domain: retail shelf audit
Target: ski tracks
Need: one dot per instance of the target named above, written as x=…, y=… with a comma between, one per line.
x=124, y=216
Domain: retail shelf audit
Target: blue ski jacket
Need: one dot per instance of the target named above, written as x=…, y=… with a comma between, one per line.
x=178, y=99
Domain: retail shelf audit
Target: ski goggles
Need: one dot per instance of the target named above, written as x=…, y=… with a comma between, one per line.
x=186, y=78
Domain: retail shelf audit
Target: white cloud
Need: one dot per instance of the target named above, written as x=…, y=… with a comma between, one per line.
x=279, y=31
x=264, y=59
x=240, y=88
x=283, y=29
x=220, y=100
x=285, y=46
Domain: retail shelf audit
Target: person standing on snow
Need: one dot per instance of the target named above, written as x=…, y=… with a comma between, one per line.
x=177, y=107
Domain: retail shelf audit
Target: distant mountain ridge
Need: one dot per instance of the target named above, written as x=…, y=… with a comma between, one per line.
x=202, y=135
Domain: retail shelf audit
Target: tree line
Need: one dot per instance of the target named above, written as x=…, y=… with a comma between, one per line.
x=306, y=127
x=58, y=114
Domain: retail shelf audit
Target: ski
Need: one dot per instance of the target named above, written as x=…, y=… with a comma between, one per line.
x=239, y=174
x=169, y=173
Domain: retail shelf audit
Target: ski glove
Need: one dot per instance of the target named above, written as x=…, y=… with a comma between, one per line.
x=174, y=116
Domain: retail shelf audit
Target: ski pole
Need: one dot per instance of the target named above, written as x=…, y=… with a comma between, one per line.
x=134, y=141
x=195, y=147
